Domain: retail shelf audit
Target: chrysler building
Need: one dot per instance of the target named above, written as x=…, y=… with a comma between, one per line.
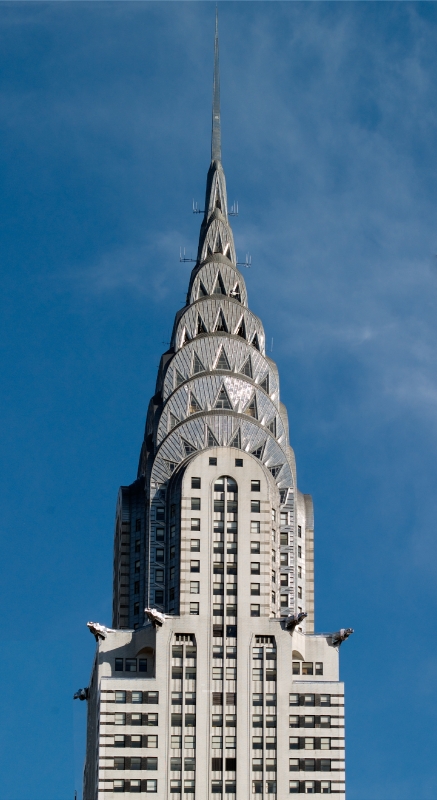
x=211, y=683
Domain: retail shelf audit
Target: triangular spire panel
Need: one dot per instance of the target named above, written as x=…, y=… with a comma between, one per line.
x=194, y=406
x=223, y=399
x=188, y=447
x=219, y=287
x=221, y=323
x=197, y=365
x=200, y=326
x=179, y=378
x=246, y=369
x=265, y=383
x=211, y=441
x=251, y=408
x=241, y=329
x=222, y=361
x=236, y=440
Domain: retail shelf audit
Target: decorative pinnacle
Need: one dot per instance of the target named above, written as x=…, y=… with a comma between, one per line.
x=216, y=145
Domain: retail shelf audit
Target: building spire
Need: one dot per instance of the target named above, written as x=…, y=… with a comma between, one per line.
x=216, y=144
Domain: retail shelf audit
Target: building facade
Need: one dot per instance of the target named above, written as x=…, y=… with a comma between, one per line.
x=212, y=683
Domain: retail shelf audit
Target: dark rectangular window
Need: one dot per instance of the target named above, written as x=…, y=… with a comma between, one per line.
x=194, y=566
x=230, y=787
x=255, y=486
x=284, y=539
x=231, y=631
x=131, y=665
x=137, y=608
x=189, y=764
x=230, y=698
x=299, y=531
x=238, y=462
x=216, y=764
x=231, y=764
x=216, y=787
x=325, y=765
x=160, y=513
x=255, y=506
x=142, y=665
x=319, y=668
x=119, y=665
x=213, y=463
x=195, y=503
x=217, y=631
x=159, y=534
x=175, y=764
x=119, y=762
x=159, y=596
x=307, y=668
x=135, y=762
x=159, y=554
x=195, y=483
x=151, y=697
x=151, y=763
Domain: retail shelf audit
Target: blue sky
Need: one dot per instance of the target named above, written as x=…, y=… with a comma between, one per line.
x=329, y=144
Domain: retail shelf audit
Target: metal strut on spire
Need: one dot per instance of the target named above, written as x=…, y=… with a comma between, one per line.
x=216, y=145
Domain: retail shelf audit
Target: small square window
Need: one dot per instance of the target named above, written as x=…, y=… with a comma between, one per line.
x=325, y=699
x=118, y=786
x=294, y=699
x=151, y=786
x=231, y=631
x=195, y=483
x=283, y=540
x=195, y=524
x=307, y=668
x=294, y=787
x=135, y=763
x=270, y=699
x=325, y=787
x=257, y=787
x=195, y=503
x=135, y=741
x=294, y=765
x=119, y=740
x=119, y=665
x=294, y=742
x=212, y=462
x=257, y=765
x=195, y=545
x=194, y=587
x=254, y=610
x=119, y=762
x=255, y=486
x=238, y=462
x=310, y=787
x=120, y=697
x=194, y=566
x=255, y=547
x=119, y=719
x=325, y=744
x=309, y=700
x=131, y=665
x=151, y=741
x=151, y=719
x=271, y=787
x=194, y=608
x=137, y=697
x=255, y=526
x=151, y=763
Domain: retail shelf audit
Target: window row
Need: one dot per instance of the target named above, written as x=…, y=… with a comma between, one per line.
x=258, y=742
x=190, y=698
x=176, y=787
x=176, y=742
x=135, y=719
x=229, y=787
x=135, y=786
x=258, y=721
x=310, y=787
x=310, y=764
x=231, y=631
x=230, y=720
x=270, y=674
x=136, y=697
x=230, y=674
x=307, y=668
x=310, y=699
x=131, y=665
x=177, y=673
x=311, y=743
x=310, y=722
x=176, y=764
x=123, y=740
x=136, y=762
x=217, y=742
x=190, y=720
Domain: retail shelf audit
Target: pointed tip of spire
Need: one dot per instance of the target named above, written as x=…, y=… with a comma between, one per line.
x=216, y=149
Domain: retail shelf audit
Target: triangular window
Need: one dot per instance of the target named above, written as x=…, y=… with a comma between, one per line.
x=211, y=441
x=236, y=440
x=255, y=342
x=241, y=329
x=194, y=407
x=197, y=365
x=236, y=292
x=209, y=251
x=222, y=399
x=184, y=338
x=246, y=369
x=275, y=472
x=219, y=287
x=171, y=465
x=251, y=409
x=200, y=325
x=258, y=453
x=188, y=447
x=217, y=201
x=272, y=426
x=222, y=361
x=179, y=378
x=173, y=421
x=202, y=290
x=265, y=383
x=218, y=245
x=221, y=323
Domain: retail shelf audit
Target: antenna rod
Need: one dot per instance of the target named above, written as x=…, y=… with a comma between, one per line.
x=216, y=145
